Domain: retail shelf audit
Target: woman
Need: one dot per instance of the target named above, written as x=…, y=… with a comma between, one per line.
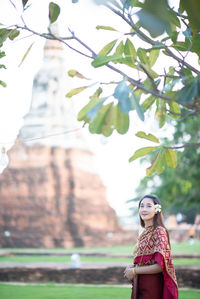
x=152, y=274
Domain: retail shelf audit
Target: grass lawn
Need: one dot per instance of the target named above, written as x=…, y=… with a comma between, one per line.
x=177, y=248
x=75, y=292
x=66, y=259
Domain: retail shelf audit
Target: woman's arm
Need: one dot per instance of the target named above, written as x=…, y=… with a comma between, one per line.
x=151, y=269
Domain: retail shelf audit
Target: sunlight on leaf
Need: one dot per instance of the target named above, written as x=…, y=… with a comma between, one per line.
x=171, y=158
x=75, y=91
x=148, y=137
x=142, y=152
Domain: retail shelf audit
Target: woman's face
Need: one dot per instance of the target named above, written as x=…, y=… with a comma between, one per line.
x=147, y=209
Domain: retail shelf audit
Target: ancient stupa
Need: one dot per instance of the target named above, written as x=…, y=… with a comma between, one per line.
x=51, y=195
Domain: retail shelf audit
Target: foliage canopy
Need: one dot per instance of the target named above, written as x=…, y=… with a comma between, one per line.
x=171, y=93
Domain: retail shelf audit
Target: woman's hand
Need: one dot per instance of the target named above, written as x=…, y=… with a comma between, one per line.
x=128, y=272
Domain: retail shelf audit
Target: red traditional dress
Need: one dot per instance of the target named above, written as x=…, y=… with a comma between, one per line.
x=153, y=247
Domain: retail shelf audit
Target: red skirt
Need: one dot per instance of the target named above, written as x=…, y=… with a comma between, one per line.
x=149, y=286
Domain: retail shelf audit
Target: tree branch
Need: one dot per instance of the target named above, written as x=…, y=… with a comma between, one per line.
x=138, y=84
x=183, y=145
x=147, y=39
x=53, y=37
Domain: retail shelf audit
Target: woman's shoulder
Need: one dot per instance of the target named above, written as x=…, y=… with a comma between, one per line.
x=160, y=230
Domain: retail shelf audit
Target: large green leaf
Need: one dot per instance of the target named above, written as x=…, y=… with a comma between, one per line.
x=142, y=152
x=153, y=55
x=4, y=34
x=142, y=54
x=13, y=34
x=147, y=136
x=121, y=120
x=121, y=93
x=149, y=71
x=103, y=60
x=182, y=46
x=108, y=48
x=192, y=8
x=54, y=11
x=82, y=115
x=154, y=16
x=148, y=103
x=120, y=49
x=97, y=123
x=157, y=164
x=196, y=44
x=138, y=107
x=174, y=107
x=130, y=53
x=109, y=122
x=93, y=112
x=171, y=158
x=188, y=92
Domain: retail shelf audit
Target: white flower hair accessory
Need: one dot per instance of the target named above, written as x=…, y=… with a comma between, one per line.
x=157, y=208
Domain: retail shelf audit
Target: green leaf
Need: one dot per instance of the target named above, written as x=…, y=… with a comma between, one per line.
x=97, y=93
x=121, y=120
x=2, y=83
x=105, y=28
x=97, y=123
x=182, y=46
x=162, y=119
x=148, y=103
x=26, y=54
x=103, y=60
x=93, y=112
x=130, y=52
x=13, y=34
x=142, y=55
x=4, y=33
x=192, y=8
x=153, y=55
x=108, y=125
x=174, y=107
x=187, y=93
x=120, y=49
x=148, y=137
x=2, y=66
x=171, y=158
x=75, y=91
x=151, y=22
x=157, y=164
x=74, y=73
x=161, y=112
x=196, y=44
x=54, y=11
x=149, y=71
x=84, y=111
x=24, y=2
x=121, y=93
x=108, y=48
x=138, y=107
x=142, y=152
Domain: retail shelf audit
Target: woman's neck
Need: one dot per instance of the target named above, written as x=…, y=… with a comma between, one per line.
x=148, y=223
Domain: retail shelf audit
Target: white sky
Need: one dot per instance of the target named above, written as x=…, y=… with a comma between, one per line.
x=120, y=177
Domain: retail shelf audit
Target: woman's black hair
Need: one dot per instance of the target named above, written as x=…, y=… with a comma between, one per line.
x=158, y=219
